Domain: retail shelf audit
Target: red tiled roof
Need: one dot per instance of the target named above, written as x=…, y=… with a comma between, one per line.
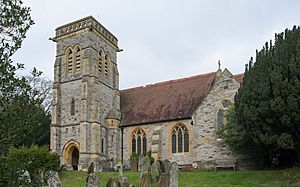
x=239, y=77
x=175, y=99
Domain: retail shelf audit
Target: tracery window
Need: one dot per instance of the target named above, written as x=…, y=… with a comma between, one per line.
x=180, y=138
x=138, y=141
x=72, y=110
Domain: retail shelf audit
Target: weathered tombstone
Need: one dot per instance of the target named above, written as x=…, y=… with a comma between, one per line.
x=53, y=179
x=159, y=168
x=92, y=180
x=123, y=181
x=113, y=182
x=146, y=180
x=120, y=168
x=141, y=161
x=91, y=168
x=164, y=180
x=144, y=166
x=173, y=175
x=25, y=177
x=167, y=166
x=133, y=165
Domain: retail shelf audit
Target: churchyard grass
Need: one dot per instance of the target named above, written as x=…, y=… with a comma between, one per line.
x=275, y=178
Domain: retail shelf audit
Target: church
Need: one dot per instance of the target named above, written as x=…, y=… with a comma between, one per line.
x=94, y=121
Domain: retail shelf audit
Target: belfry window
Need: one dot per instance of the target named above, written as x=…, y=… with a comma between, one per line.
x=72, y=111
x=139, y=141
x=78, y=58
x=180, y=138
x=106, y=64
x=69, y=59
x=101, y=53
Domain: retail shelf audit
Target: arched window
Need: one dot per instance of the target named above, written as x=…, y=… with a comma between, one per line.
x=139, y=141
x=106, y=64
x=180, y=139
x=69, y=61
x=100, y=58
x=78, y=58
x=220, y=117
x=72, y=111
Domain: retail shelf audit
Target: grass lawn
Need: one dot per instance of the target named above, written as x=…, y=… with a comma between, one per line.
x=286, y=178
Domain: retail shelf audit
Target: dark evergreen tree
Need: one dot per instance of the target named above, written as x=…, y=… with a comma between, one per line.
x=267, y=106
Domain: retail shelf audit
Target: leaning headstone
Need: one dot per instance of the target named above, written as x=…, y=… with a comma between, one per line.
x=53, y=179
x=91, y=168
x=92, y=180
x=146, y=180
x=113, y=182
x=163, y=180
x=173, y=175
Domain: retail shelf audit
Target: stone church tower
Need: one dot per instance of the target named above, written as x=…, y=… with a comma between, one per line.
x=86, y=96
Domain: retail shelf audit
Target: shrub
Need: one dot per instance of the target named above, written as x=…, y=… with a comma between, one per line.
x=36, y=160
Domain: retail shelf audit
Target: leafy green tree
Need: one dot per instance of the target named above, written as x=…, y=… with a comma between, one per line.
x=23, y=118
x=267, y=106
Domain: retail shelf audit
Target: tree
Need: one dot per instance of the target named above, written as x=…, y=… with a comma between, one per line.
x=15, y=21
x=23, y=118
x=41, y=88
x=267, y=106
x=36, y=160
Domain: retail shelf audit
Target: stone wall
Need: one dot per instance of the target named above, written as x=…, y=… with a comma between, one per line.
x=95, y=94
x=205, y=144
x=208, y=145
x=163, y=141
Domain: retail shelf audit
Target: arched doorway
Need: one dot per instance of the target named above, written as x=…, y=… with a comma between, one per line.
x=71, y=154
x=75, y=158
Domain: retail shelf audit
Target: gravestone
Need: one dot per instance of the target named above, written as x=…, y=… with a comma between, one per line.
x=53, y=179
x=141, y=161
x=167, y=166
x=159, y=167
x=123, y=181
x=25, y=177
x=120, y=168
x=173, y=175
x=92, y=180
x=164, y=180
x=146, y=180
x=91, y=168
x=144, y=166
x=113, y=182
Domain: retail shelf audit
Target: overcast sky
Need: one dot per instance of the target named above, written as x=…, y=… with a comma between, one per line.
x=164, y=39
